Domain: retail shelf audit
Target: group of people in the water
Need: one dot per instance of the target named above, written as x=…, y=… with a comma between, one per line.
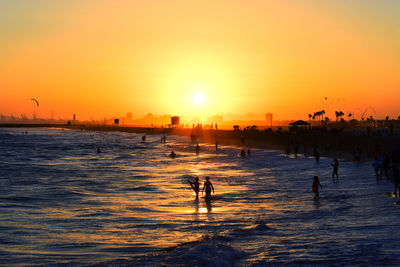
x=384, y=166
x=316, y=183
x=388, y=166
x=381, y=166
x=243, y=153
x=335, y=178
x=207, y=187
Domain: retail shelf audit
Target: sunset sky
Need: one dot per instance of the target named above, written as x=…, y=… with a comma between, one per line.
x=104, y=58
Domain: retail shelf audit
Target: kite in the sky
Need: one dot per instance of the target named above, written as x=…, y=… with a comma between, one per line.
x=37, y=103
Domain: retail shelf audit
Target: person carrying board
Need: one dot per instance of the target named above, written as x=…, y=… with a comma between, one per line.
x=195, y=186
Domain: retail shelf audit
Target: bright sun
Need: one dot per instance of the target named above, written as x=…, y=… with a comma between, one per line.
x=198, y=98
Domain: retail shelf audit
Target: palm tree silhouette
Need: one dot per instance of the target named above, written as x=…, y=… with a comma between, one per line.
x=322, y=114
x=339, y=114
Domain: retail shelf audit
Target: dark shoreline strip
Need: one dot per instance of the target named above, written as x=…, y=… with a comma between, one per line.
x=334, y=144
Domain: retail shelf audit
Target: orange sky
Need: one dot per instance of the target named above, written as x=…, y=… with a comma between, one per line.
x=104, y=58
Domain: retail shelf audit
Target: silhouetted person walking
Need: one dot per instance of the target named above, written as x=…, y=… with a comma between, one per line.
x=315, y=186
x=316, y=154
x=335, y=170
x=305, y=149
x=288, y=149
x=396, y=179
x=208, y=186
x=376, y=166
x=296, y=149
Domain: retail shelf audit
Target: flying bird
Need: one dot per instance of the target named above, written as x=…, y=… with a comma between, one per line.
x=37, y=103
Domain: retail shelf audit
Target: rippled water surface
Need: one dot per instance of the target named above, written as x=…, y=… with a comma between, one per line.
x=62, y=202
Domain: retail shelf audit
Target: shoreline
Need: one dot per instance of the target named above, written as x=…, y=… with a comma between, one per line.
x=337, y=144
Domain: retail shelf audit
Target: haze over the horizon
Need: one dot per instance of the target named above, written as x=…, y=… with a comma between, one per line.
x=103, y=58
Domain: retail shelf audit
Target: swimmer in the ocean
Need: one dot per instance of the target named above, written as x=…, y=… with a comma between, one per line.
x=172, y=154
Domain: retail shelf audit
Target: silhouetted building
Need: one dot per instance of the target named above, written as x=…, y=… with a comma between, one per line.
x=268, y=117
x=216, y=119
x=175, y=120
x=129, y=116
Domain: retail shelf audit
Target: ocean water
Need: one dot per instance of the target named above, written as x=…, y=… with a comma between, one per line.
x=62, y=203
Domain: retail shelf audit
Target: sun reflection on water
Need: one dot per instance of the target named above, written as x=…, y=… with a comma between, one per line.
x=135, y=198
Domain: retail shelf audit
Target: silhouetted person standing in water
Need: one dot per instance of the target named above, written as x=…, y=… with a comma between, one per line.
x=288, y=150
x=316, y=153
x=396, y=179
x=315, y=186
x=197, y=149
x=376, y=165
x=208, y=186
x=296, y=148
x=195, y=186
x=335, y=169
